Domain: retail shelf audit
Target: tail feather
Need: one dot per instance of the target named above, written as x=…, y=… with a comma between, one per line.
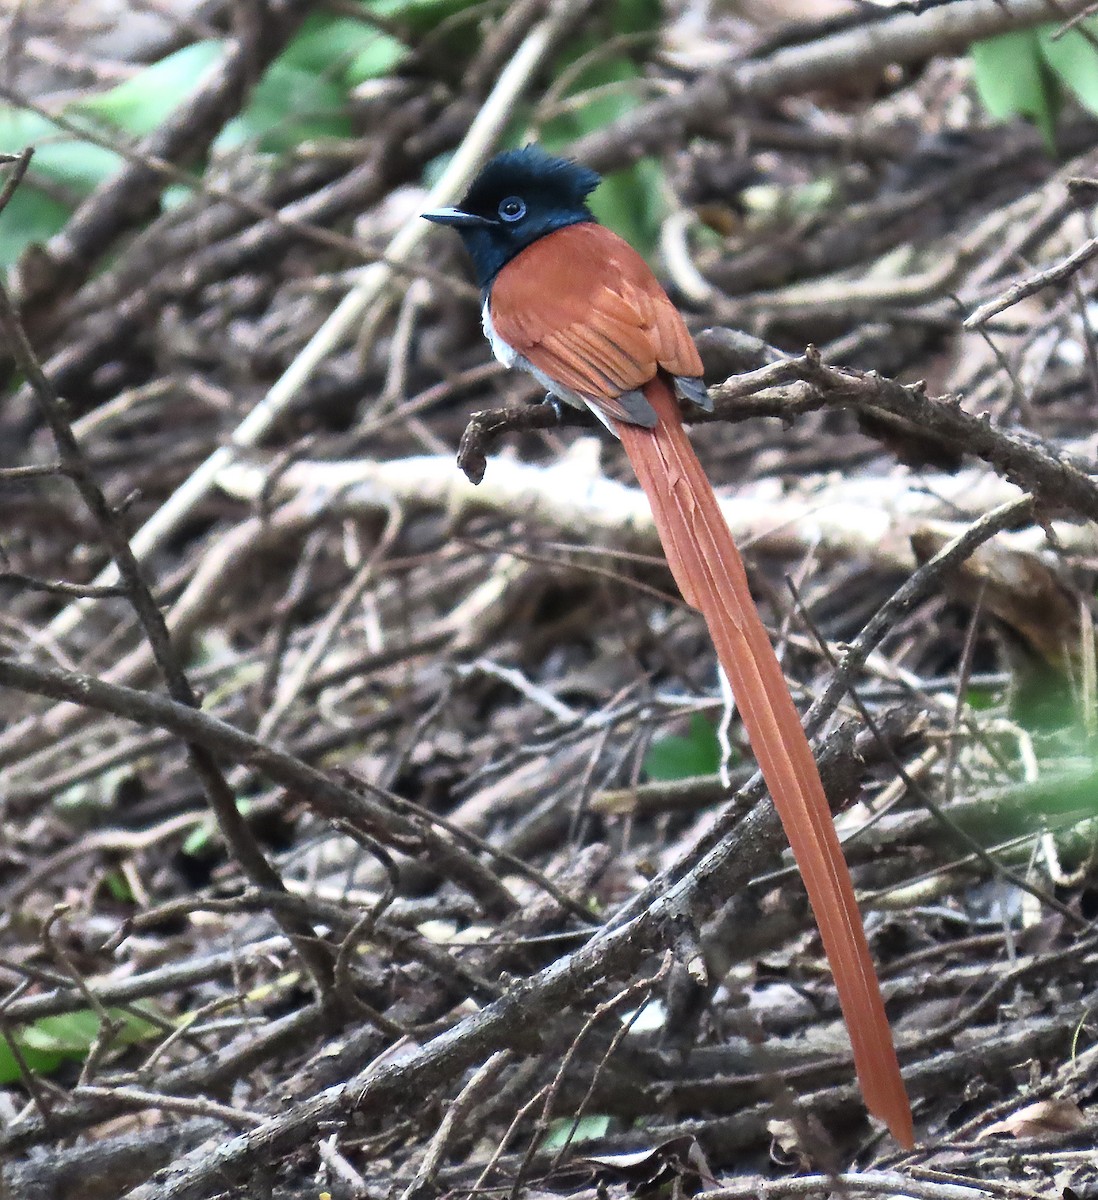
x=709, y=571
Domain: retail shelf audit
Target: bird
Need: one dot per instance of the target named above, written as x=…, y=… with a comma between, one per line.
x=573, y=304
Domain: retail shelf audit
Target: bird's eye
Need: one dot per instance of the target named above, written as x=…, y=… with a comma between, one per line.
x=512, y=209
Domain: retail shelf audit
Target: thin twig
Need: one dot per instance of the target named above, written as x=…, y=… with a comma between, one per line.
x=219, y=795
x=1057, y=273
x=370, y=290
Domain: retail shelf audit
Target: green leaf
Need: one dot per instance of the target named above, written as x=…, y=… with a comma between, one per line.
x=381, y=56
x=631, y=203
x=79, y=166
x=982, y=698
x=1013, y=80
x=636, y=16
x=51, y=1041
x=1007, y=73
x=29, y=218
x=289, y=106
x=615, y=86
x=420, y=16
x=146, y=100
x=565, y=1131
x=76, y=167
x=174, y=195
x=673, y=757
x=1074, y=60
x=70, y=1033
x=342, y=49
x=19, y=129
x=201, y=837
x=779, y=202
x=325, y=43
x=118, y=886
x=58, y=156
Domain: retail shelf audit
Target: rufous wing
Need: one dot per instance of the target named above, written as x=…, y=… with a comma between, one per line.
x=583, y=308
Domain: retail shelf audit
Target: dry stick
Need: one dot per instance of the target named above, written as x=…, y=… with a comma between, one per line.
x=512, y=1017
x=1086, y=11
x=713, y=847
x=914, y=589
x=169, y=173
x=470, y=1094
x=325, y=795
x=906, y=37
x=245, y=1054
x=141, y=1099
x=1055, y=482
x=1003, y=986
x=341, y=1169
x=741, y=858
x=59, y=952
x=126, y=197
x=374, y=281
x=900, y=39
x=171, y=977
x=996, y=1186
x=35, y=741
x=104, y=841
x=1057, y=273
x=290, y=688
x=21, y=161
x=507, y=1021
x=39, y=1095
x=34, y=471
x=99, y=1168
x=517, y=1121
x=642, y=989
x=639, y=990
x=874, y=1183
x=511, y=1020
x=939, y=812
x=219, y=795
x=58, y=587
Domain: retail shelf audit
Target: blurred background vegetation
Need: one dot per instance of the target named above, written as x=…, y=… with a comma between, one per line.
x=305, y=101
x=307, y=97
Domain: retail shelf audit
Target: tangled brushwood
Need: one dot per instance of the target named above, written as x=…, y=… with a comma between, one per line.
x=375, y=821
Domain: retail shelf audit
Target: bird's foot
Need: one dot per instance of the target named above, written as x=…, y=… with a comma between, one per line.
x=554, y=403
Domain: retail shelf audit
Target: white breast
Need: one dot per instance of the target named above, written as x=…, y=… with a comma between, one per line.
x=510, y=357
x=500, y=349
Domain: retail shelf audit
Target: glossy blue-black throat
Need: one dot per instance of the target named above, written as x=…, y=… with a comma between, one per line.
x=519, y=196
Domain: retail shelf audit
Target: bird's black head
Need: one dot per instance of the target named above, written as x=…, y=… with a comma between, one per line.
x=518, y=197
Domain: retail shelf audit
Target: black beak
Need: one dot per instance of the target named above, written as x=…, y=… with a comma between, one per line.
x=455, y=216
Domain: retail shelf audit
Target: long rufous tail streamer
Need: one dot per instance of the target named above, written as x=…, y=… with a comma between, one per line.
x=709, y=571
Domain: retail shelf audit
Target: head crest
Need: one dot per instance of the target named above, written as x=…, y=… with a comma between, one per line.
x=519, y=197
x=531, y=168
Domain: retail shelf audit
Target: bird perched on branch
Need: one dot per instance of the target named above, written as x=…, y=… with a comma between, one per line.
x=578, y=308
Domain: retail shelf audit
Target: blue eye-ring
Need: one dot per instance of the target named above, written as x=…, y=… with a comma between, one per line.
x=512, y=209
